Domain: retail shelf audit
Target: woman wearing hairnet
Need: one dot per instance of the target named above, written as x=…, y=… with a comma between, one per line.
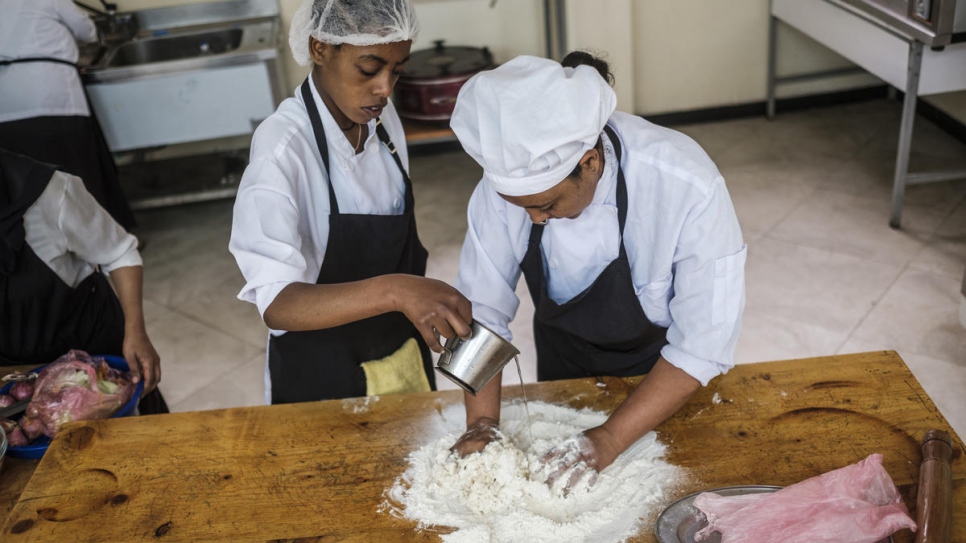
x=323, y=227
x=626, y=236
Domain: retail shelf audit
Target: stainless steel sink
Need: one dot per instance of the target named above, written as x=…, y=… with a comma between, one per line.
x=166, y=81
x=184, y=46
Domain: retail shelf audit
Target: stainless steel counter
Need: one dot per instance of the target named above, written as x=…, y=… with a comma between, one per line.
x=176, y=76
x=939, y=20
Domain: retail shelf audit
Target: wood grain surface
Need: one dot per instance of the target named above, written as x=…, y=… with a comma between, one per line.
x=318, y=471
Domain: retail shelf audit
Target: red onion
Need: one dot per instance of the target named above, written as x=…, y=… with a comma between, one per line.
x=8, y=425
x=32, y=427
x=6, y=399
x=16, y=438
x=22, y=390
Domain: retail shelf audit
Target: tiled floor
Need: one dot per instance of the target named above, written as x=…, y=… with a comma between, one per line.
x=825, y=273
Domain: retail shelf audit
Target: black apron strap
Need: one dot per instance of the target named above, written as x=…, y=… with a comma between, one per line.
x=621, y=186
x=383, y=136
x=320, y=140
x=9, y=61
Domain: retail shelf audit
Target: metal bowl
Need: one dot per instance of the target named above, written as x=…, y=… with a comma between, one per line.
x=681, y=520
x=3, y=448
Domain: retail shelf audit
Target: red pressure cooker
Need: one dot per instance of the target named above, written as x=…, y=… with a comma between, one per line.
x=433, y=78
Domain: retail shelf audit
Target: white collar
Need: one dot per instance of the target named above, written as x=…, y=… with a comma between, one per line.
x=607, y=185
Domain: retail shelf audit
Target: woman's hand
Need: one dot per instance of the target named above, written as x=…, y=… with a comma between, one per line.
x=585, y=454
x=432, y=305
x=477, y=436
x=142, y=359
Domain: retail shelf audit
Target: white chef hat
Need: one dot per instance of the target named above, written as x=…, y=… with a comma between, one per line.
x=529, y=121
x=355, y=22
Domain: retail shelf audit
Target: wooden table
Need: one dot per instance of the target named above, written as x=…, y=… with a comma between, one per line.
x=317, y=471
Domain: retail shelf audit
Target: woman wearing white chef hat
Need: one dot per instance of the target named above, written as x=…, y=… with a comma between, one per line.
x=626, y=236
x=323, y=226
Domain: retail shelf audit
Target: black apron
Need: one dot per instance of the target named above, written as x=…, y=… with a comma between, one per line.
x=326, y=364
x=602, y=330
x=72, y=143
x=41, y=316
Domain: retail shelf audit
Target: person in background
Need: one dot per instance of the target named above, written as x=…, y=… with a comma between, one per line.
x=626, y=236
x=323, y=227
x=44, y=112
x=56, y=244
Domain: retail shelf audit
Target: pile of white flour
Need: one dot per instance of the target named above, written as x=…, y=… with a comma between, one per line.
x=490, y=498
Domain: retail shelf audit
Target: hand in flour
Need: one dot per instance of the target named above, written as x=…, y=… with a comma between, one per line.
x=477, y=436
x=583, y=455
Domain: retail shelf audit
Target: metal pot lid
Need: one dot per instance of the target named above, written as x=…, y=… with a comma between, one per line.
x=443, y=61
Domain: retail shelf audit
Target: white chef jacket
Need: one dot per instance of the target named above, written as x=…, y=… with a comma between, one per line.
x=42, y=28
x=71, y=233
x=682, y=237
x=280, y=226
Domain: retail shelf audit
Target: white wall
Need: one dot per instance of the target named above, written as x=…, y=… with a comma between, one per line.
x=694, y=54
x=666, y=56
x=605, y=28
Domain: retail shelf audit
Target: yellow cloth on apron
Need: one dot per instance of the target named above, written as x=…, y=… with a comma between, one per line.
x=402, y=371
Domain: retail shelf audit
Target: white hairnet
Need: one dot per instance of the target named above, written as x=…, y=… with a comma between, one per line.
x=529, y=121
x=355, y=22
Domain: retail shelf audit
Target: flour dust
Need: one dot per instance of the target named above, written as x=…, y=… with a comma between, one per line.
x=488, y=497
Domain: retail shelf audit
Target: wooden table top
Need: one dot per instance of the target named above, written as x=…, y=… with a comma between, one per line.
x=317, y=471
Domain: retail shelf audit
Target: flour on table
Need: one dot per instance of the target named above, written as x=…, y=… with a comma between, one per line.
x=358, y=405
x=489, y=497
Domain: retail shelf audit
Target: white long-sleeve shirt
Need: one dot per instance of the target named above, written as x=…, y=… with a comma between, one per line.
x=280, y=225
x=71, y=233
x=682, y=237
x=42, y=28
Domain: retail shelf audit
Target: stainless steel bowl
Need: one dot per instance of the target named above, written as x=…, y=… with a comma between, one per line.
x=3, y=448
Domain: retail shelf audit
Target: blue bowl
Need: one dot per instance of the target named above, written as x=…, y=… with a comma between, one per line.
x=37, y=449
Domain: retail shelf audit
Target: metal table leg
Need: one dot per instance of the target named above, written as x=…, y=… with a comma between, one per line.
x=905, y=131
x=772, y=46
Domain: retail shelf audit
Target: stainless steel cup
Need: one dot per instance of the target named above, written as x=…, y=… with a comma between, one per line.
x=471, y=363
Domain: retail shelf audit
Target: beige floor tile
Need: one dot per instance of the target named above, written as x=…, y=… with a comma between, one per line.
x=219, y=307
x=184, y=262
x=856, y=226
x=766, y=338
x=871, y=176
x=240, y=387
x=813, y=286
x=193, y=355
x=765, y=194
x=919, y=315
x=944, y=252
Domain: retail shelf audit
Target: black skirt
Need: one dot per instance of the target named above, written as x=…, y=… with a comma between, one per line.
x=76, y=145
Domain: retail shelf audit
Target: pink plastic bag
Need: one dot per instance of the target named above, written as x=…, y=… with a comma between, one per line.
x=854, y=504
x=76, y=387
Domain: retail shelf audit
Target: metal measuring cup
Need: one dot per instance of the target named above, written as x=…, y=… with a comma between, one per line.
x=471, y=363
